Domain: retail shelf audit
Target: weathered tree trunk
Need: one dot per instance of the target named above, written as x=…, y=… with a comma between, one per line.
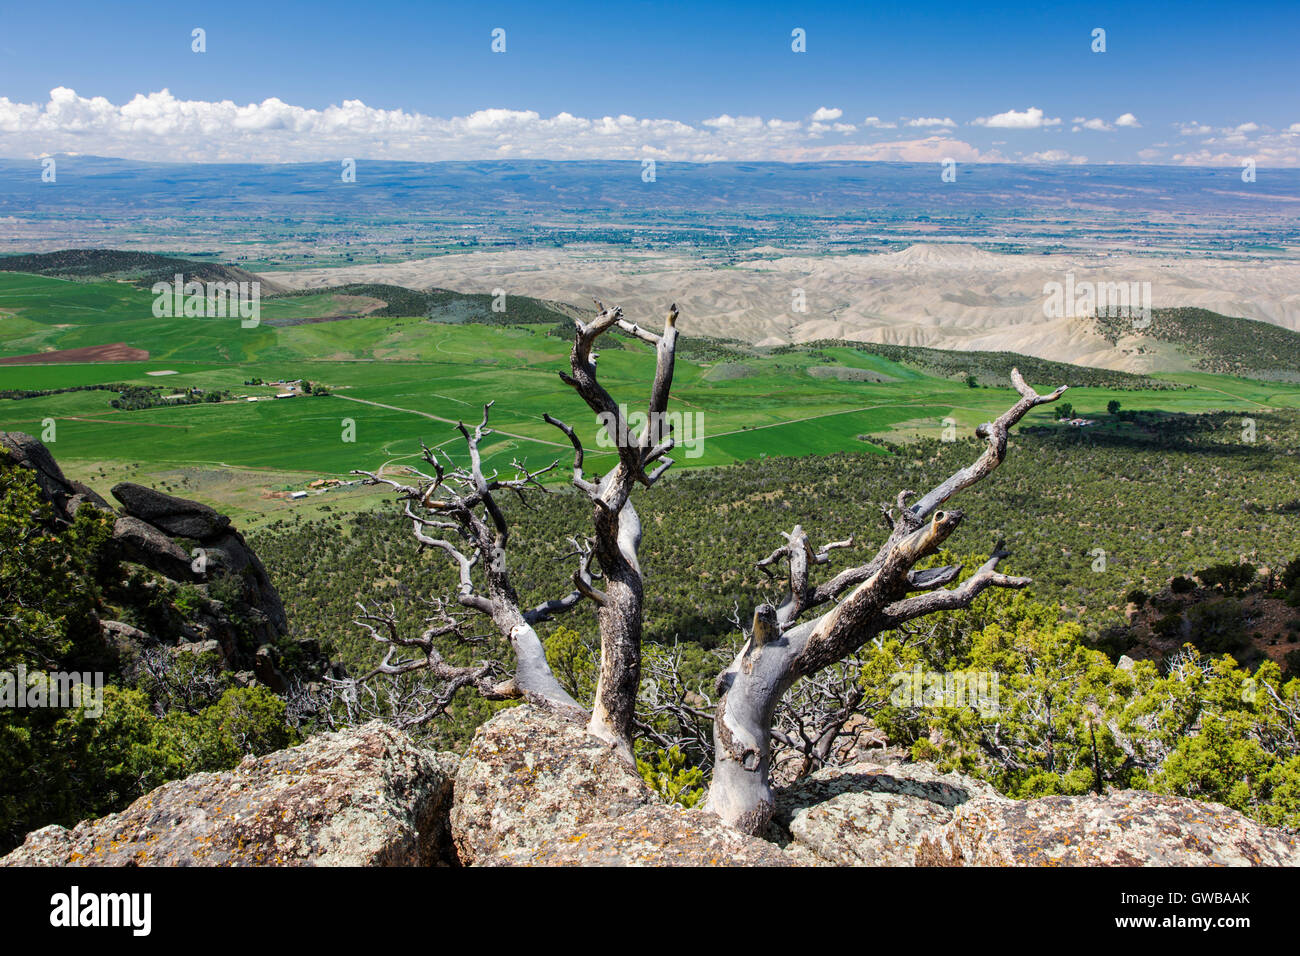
x=620, y=619
x=617, y=536
x=779, y=651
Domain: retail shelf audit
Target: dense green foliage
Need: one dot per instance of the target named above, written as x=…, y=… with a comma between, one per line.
x=1066, y=720
x=1045, y=501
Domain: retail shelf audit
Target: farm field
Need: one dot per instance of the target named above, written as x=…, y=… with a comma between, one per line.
x=394, y=382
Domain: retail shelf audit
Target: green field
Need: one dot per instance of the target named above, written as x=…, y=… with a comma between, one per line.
x=403, y=380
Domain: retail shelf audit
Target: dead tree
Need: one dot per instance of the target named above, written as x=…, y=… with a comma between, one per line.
x=463, y=501
x=883, y=594
x=642, y=460
x=865, y=601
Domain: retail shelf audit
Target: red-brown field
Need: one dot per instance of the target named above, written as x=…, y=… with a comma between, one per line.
x=116, y=352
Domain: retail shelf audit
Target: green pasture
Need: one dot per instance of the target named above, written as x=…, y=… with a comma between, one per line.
x=405, y=380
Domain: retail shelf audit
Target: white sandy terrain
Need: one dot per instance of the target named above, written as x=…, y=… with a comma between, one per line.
x=942, y=296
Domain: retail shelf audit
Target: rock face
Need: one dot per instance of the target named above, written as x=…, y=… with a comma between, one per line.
x=222, y=550
x=187, y=543
x=1126, y=828
x=535, y=788
x=367, y=797
x=142, y=543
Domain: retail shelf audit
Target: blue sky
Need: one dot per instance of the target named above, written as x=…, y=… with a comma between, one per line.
x=1207, y=82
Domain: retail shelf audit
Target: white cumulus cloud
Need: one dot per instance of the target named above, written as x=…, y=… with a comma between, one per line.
x=1032, y=118
x=159, y=126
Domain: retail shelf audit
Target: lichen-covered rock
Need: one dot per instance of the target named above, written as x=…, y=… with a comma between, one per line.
x=1125, y=828
x=176, y=516
x=534, y=788
x=868, y=814
x=364, y=797
x=650, y=835
x=529, y=773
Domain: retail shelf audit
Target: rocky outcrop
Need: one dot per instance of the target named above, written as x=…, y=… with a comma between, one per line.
x=142, y=543
x=651, y=835
x=535, y=788
x=217, y=550
x=186, y=543
x=367, y=797
x=1125, y=828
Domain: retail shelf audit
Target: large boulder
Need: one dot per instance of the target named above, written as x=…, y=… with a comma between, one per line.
x=869, y=814
x=144, y=544
x=365, y=797
x=650, y=835
x=909, y=814
x=1125, y=828
x=179, y=517
x=535, y=788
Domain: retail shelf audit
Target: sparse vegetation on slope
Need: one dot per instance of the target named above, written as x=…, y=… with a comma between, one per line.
x=1220, y=343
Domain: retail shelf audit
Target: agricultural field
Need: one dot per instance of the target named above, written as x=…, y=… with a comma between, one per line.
x=392, y=382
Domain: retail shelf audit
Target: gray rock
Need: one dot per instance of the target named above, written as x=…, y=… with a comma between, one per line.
x=66, y=496
x=26, y=451
x=1124, y=828
x=651, y=835
x=117, y=631
x=867, y=814
x=144, y=544
x=229, y=553
x=176, y=516
x=84, y=494
x=365, y=797
x=198, y=648
x=529, y=772
x=534, y=788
